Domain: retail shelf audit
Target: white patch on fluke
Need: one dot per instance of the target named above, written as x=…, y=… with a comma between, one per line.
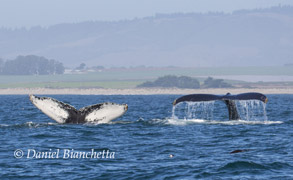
x=51, y=108
x=65, y=113
x=106, y=113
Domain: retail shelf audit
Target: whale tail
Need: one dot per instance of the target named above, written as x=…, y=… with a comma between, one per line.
x=228, y=99
x=65, y=113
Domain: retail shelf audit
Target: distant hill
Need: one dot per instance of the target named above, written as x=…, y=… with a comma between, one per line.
x=170, y=81
x=249, y=37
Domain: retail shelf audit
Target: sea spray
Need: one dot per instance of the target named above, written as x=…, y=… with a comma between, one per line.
x=252, y=110
x=249, y=110
x=193, y=110
x=173, y=113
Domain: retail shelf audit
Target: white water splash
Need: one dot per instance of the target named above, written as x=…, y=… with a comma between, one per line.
x=182, y=122
x=250, y=111
x=194, y=110
x=173, y=113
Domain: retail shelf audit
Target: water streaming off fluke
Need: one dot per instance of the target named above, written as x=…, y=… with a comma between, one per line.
x=250, y=110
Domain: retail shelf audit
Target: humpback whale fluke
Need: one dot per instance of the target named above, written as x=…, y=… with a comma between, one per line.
x=228, y=99
x=65, y=113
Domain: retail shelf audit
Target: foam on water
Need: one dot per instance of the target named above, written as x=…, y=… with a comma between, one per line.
x=228, y=122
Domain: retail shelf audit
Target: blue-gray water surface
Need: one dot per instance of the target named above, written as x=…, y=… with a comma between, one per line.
x=148, y=142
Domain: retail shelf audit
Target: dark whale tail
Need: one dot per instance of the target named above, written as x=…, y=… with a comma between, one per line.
x=228, y=99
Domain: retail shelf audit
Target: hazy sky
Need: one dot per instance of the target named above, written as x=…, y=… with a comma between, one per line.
x=18, y=13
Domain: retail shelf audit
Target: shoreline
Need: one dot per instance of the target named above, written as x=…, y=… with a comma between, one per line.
x=140, y=91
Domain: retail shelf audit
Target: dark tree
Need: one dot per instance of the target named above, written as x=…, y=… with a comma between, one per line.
x=1, y=65
x=32, y=65
x=59, y=68
x=81, y=66
x=215, y=83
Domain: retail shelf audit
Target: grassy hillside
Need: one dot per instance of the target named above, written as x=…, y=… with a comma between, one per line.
x=130, y=78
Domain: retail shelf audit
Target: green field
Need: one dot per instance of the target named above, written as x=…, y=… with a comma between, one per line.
x=130, y=78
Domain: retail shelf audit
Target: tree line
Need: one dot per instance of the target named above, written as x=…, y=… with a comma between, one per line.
x=185, y=82
x=31, y=65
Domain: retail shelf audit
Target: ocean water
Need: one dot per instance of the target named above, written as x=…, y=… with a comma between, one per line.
x=152, y=140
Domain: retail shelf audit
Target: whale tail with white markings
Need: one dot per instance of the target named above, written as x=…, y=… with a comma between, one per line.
x=65, y=113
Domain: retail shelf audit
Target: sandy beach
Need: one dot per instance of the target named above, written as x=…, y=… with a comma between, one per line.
x=137, y=91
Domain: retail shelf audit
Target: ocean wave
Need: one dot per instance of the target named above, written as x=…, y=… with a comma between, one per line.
x=241, y=165
x=245, y=165
x=111, y=122
x=290, y=122
x=29, y=124
x=152, y=122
